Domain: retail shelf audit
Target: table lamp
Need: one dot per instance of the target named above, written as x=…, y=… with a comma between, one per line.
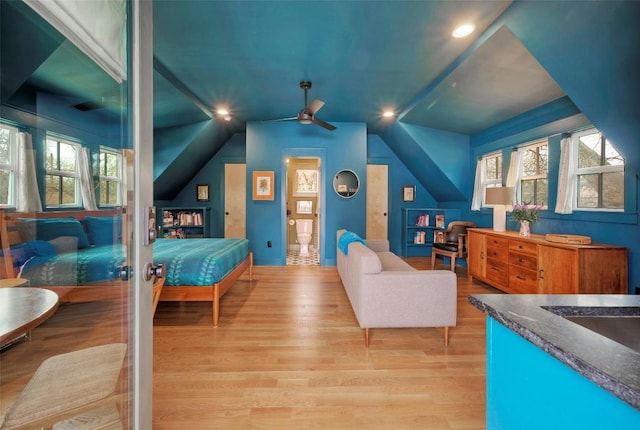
x=500, y=198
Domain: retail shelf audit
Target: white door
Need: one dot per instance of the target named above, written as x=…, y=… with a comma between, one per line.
x=235, y=201
x=377, y=204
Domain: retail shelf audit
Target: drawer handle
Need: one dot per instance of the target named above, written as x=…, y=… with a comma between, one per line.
x=520, y=246
x=520, y=260
x=522, y=278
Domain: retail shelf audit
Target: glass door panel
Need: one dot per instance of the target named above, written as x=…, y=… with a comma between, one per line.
x=71, y=133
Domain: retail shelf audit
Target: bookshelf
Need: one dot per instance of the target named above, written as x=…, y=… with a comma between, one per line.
x=421, y=226
x=184, y=223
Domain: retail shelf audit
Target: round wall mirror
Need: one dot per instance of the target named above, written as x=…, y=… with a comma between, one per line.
x=346, y=183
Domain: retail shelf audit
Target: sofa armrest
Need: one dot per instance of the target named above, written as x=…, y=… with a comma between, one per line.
x=378, y=245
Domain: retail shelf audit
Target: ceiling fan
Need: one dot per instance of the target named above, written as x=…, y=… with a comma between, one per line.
x=308, y=113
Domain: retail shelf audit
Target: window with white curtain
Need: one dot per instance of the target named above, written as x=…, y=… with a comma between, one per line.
x=599, y=172
x=534, y=185
x=493, y=171
x=110, y=172
x=62, y=180
x=8, y=164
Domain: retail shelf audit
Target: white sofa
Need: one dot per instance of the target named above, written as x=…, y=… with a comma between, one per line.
x=385, y=291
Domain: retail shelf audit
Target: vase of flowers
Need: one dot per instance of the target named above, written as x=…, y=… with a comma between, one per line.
x=526, y=215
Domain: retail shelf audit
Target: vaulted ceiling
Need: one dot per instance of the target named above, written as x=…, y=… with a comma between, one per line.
x=362, y=57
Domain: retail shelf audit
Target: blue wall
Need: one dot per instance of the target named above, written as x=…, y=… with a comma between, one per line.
x=268, y=146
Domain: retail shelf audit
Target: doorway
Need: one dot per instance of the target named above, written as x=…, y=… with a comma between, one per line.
x=303, y=209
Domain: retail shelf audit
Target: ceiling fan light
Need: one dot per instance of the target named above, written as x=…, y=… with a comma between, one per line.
x=304, y=121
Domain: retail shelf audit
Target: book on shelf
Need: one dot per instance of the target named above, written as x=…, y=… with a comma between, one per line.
x=438, y=237
x=422, y=220
x=439, y=221
x=420, y=238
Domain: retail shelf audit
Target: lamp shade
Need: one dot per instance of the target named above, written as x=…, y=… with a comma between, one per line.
x=499, y=196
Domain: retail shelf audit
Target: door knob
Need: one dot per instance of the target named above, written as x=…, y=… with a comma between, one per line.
x=150, y=270
x=226, y=213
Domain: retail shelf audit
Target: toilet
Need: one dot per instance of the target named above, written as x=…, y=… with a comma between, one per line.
x=304, y=227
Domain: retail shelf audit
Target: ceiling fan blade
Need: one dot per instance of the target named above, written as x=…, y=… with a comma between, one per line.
x=281, y=119
x=315, y=106
x=321, y=123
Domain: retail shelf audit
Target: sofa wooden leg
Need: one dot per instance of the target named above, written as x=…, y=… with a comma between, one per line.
x=446, y=336
x=366, y=337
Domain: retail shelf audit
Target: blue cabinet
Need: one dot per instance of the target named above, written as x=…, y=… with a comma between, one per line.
x=528, y=389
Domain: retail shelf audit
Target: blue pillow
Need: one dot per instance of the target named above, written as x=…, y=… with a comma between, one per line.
x=22, y=252
x=50, y=228
x=346, y=238
x=104, y=230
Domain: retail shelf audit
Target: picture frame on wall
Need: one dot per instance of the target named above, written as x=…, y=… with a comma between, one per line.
x=202, y=192
x=408, y=193
x=263, y=185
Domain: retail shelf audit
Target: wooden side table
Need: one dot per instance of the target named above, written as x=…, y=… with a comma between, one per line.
x=13, y=282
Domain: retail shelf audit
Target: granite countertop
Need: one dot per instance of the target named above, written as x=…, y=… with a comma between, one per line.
x=540, y=319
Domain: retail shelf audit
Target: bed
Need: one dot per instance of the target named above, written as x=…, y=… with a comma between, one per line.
x=79, y=265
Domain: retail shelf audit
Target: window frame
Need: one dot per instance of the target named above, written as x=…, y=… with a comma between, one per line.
x=12, y=165
x=117, y=179
x=493, y=182
x=537, y=176
x=63, y=173
x=599, y=170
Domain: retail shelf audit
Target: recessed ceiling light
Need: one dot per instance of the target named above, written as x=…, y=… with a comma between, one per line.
x=463, y=30
x=388, y=114
x=222, y=112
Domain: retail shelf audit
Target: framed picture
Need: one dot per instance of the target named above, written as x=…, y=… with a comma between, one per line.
x=304, y=207
x=408, y=193
x=202, y=192
x=263, y=185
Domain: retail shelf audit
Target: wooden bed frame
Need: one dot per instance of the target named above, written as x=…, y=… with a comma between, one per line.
x=9, y=235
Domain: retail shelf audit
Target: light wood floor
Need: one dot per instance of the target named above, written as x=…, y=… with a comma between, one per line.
x=288, y=354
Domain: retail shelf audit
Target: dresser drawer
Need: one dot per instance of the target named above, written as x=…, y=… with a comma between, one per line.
x=498, y=253
x=523, y=281
x=524, y=247
x=497, y=242
x=497, y=271
x=523, y=260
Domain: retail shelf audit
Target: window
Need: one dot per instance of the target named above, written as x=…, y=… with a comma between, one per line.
x=493, y=171
x=8, y=167
x=534, y=184
x=62, y=178
x=599, y=172
x=110, y=168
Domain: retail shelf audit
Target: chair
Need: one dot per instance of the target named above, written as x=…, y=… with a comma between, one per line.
x=66, y=386
x=454, y=244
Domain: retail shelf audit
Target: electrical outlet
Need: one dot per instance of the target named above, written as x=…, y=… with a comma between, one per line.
x=268, y=244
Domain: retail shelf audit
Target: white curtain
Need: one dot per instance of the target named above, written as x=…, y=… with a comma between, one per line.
x=566, y=178
x=96, y=27
x=28, y=195
x=478, y=185
x=514, y=174
x=86, y=180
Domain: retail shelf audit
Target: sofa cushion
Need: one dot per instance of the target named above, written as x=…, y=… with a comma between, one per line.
x=390, y=262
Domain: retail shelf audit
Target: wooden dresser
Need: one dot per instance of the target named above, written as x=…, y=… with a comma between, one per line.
x=532, y=265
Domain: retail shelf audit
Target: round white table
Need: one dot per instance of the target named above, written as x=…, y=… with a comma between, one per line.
x=22, y=309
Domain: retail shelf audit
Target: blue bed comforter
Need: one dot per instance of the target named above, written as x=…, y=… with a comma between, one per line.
x=188, y=262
